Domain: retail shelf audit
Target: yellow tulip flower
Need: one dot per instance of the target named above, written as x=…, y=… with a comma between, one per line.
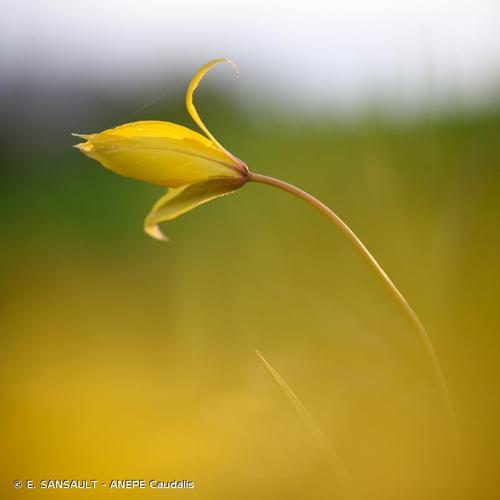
x=195, y=168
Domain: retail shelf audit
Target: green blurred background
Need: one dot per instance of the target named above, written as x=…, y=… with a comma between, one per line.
x=122, y=357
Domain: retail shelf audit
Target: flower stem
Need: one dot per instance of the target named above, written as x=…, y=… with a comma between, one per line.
x=393, y=290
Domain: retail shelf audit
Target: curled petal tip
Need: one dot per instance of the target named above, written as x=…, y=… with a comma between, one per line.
x=234, y=65
x=193, y=85
x=217, y=60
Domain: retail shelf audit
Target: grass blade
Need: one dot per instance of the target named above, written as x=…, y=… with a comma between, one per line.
x=341, y=474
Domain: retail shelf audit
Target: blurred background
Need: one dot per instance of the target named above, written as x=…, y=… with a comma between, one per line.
x=122, y=357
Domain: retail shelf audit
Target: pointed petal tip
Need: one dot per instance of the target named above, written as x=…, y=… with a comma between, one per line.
x=83, y=146
x=155, y=233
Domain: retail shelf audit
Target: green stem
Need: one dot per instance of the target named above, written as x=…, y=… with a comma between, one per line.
x=393, y=290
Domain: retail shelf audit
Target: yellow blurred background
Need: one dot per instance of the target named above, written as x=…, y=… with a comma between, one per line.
x=125, y=358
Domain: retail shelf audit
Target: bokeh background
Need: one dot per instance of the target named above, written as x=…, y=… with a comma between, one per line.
x=125, y=358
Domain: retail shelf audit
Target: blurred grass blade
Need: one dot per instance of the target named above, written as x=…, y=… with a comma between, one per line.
x=341, y=474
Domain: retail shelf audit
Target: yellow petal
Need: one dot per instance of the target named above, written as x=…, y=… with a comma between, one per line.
x=192, y=109
x=181, y=200
x=160, y=153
